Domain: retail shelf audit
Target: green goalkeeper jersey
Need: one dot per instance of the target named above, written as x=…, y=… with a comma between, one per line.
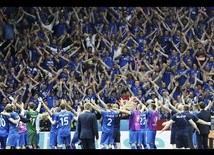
x=31, y=126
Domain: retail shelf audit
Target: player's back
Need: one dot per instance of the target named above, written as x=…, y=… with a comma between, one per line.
x=152, y=119
x=117, y=118
x=31, y=125
x=13, y=128
x=143, y=120
x=64, y=119
x=134, y=120
x=4, y=126
x=108, y=121
x=181, y=122
x=54, y=127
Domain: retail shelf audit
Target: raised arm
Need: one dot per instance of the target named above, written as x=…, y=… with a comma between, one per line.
x=71, y=109
x=164, y=107
x=46, y=107
x=101, y=101
x=95, y=107
x=209, y=106
x=39, y=107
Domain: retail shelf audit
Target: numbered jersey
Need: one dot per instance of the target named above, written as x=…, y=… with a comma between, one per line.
x=31, y=125
x=143, y=120
x=4, y=126
x=134, y=120
x=108, y=121
x=63, y=120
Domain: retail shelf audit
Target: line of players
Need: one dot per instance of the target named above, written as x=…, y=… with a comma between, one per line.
x=18, y=126
x=142, y=124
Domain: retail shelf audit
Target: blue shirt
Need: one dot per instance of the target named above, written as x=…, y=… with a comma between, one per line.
x=63, y=120
x=175, y=59
x=134, y=90
x=167, y=76
x=182, y=78
x=62, y=63
x=89, y=97
x=60, y=28
x=113, y=27
x=54, y=127
x=124, y=59
x=8, y=31
x=33, y=54
x=192, y=72
x=4, y=126
x=13, y=128
x=108, y=121
x=50, y=100
x=108, y=61
x=176, y=40
x=87, y=27
x=143, y=120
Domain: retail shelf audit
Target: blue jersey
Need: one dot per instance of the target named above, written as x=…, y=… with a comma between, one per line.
x=108, y=121
x=143, y=120
x=64, y=119
x=13, y=135
x=54, y=127
x=53, y=132
x=4, y=126
x=124, y=59
x=13, y=127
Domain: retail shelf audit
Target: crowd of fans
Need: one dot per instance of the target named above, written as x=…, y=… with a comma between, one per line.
x=75, y=53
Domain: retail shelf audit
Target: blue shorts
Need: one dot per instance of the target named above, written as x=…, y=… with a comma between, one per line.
x=63, y=139
x=142, y=137
x=107, y=138
x=23, y=139
x=53, y=139
x=151, y=135
x=133, y=136
x=3, y=141
x=13, y=139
